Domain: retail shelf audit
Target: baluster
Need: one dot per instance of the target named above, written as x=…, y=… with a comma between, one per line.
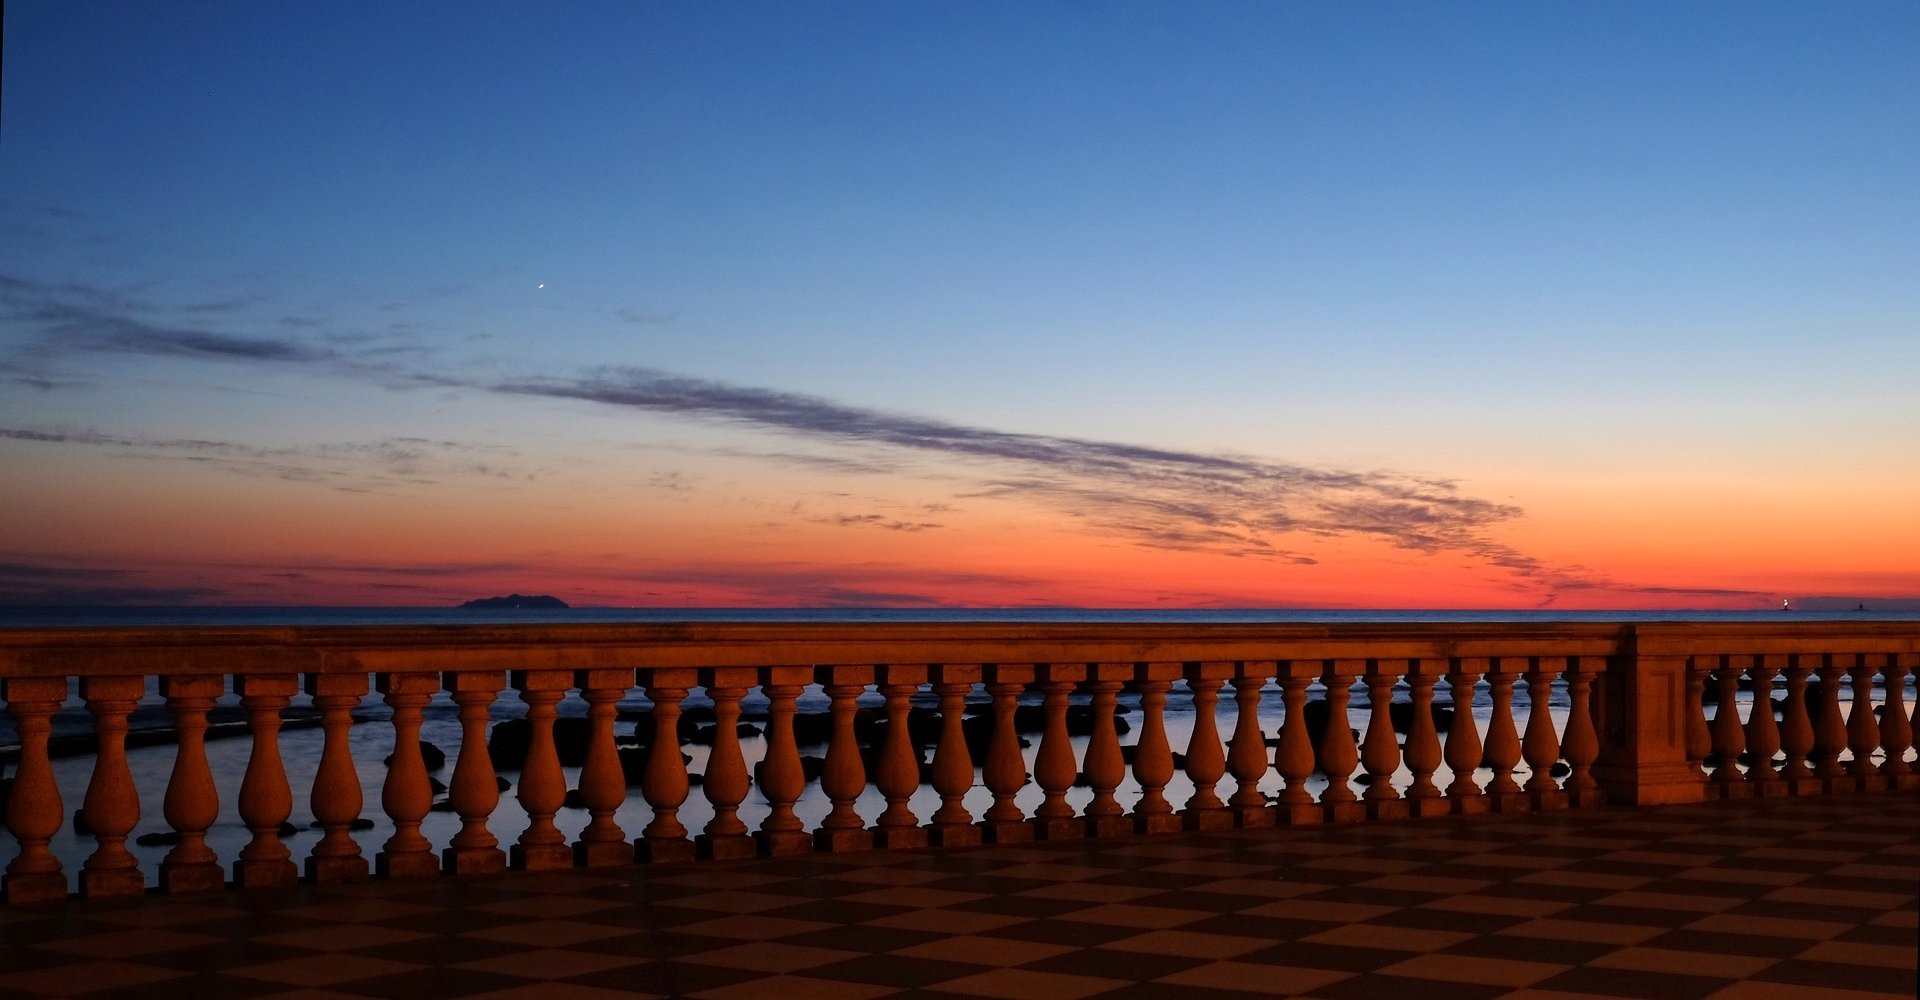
x=192, y=802
x=1830, y=727
x=1104, y=766
x=845, y=776
x=1337, y=755
x=664, y=783
x=1796, y=727
x=1896, y=730
x=406, y=795
x=1729, y=737
x=1424, y=798
x=336, y=798
x=1380, y=750
x=1763, y=733
x=474, y=851
x=1502, y=752
x=1293, y=758
x=1053, y=767
x=1006, y=770
x=952, y=824
x=112, y=803
x=265, y=799
x=1247, y=758
x=1699, y=738
x=1580, y=745
x=1152, y=756
x=725, y=780
x=34, y=809
x=1540, y=746
x=1464, y=750
x=1206, y=761
x=543, y=786
x=782, y=782
x=603, y=780
x=1863, y=732
x=899, y=761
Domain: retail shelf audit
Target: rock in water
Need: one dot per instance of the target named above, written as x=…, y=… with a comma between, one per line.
x=517, y=601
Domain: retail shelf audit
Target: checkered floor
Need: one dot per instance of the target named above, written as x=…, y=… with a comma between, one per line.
x=1805, y=899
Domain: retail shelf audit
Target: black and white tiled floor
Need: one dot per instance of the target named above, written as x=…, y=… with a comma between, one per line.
x=1799, y=899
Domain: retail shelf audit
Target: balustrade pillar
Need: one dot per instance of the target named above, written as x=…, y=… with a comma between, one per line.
x=336, y=799
x=1649, y=720
x=1896, y=729
x=1863, y=732
x=899, y=761
x=112, y=803
x=1699, y=737
x=725, y=781
x=603, y=780
x=192, y=803
x=34, y=810
x=1796, y=727
x=265, y=799
x=406, y=795
x=1763, y=733
x=1104, y=766
x=1006, y=770
x=1464, y=750
x=1247, y=758
x=664, y=783
x=1502, y=752
x=1829, y=726
x=543, y=786
x=1540, y=746
x=1053, y=766
x=1729, y=736
x=1206, y=760
x=1152, y=755
x=1424, y=798
x=952, y=824
x=782, y=781
x=845, y=776
x=1293, y=758
x=1580, y=744
x=474, y=852
x=1336, y=753
x=1380, y=749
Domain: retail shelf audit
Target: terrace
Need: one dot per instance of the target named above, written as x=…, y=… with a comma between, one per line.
x=1565, y=809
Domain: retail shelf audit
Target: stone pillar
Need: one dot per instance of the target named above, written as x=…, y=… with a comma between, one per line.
x=265, y=799
x=406, y=795
x=1053, y=766
x=34, y=811
x=1206, y=760
x=112, y=803
x=1152, y=756
x=664, y=783
x=1006, y=769
x=192, y=803
x=952, y=824
x=1643, y=745
x=543, y=786
x=474, y=851
x=335, y=798
x=725, y=781
x=782, y=781
x=899, y=763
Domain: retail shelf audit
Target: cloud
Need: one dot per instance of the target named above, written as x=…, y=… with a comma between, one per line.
x=873, y=520
x=25, y=584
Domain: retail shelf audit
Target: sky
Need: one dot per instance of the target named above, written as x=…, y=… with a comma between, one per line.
x=1157, y=305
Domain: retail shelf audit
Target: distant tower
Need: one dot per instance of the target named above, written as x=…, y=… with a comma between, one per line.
x=1786, y=604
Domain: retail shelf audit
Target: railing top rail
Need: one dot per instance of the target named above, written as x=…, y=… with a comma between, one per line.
x=362, y=649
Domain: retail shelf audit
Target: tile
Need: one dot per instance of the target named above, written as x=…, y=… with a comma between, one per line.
x=1275, y=980
x=943, y=921
x=1187, y=944
x=548, y=963
x=1891, y=956
x=1752, y=990
x=1475, y=969
x=753, y=927
x=1869, y=978
x=1020, y=984
x=88, y=976
x=323, y=969
x=1733, y=923
x=129, y=943
x=1388, y=938
x=1628, y=983
x=984, y=951
x=1575, y=930
x=342, y=937
x=796, y=988
x=558, y=991
x=770, y=956
x=1674, y=960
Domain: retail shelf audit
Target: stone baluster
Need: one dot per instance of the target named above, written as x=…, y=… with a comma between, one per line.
x=782, y=781
x=1006, y=770
x=1053, y=766
x=543, y=786
x=406, y=795
x=1380, y=749
x=845, y=776
x=1829, y=726
x=725, y=780
x=1896, y=730
x=1293, y=758
x=1729, y=736
x=1338, y=757
x=1424, y=798
x=1247, y=758
x=265, y=799
x=1796, y=727
x=335, y=798
x=1502, y=753
x=1863, y=731
x=664, y=783
x=603, y=780
x=1580, y=744
x=112, y=803
x=1540, y=746
x=1699, y=737
x=192, y=802
x=474, y=852
x=952, y=824
x=1206, y=760
x=1104, y=765
x=1153, y=756
x=899, y=763
x=1763, y=733
x=1464, y=751
x=34, y=809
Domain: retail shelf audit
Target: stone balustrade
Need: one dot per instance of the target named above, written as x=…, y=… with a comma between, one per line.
x=1650, y=716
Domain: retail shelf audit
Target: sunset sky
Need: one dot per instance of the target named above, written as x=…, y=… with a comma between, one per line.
x=1146, y=305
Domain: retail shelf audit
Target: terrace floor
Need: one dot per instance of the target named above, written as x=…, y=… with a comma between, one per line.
x=1798, y=899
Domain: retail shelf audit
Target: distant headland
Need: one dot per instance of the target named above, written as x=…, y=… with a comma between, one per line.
x=516, y=601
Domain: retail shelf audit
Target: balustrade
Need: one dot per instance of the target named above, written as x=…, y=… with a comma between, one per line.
x=1325, y=743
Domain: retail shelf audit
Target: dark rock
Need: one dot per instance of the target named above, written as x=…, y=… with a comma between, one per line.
x=1559, y=769
x=572, y=800
x=359, y=823
x=158, y=838
x=436, y=785
x=501, y=783
x=80, y=826
x=508, y=744
x=434, y=757
x=1400, y=713
x=517, y=601
x=288, y=830
x=443, y=806
x=812, y=728
x=1033, y=719
x=747, y=731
